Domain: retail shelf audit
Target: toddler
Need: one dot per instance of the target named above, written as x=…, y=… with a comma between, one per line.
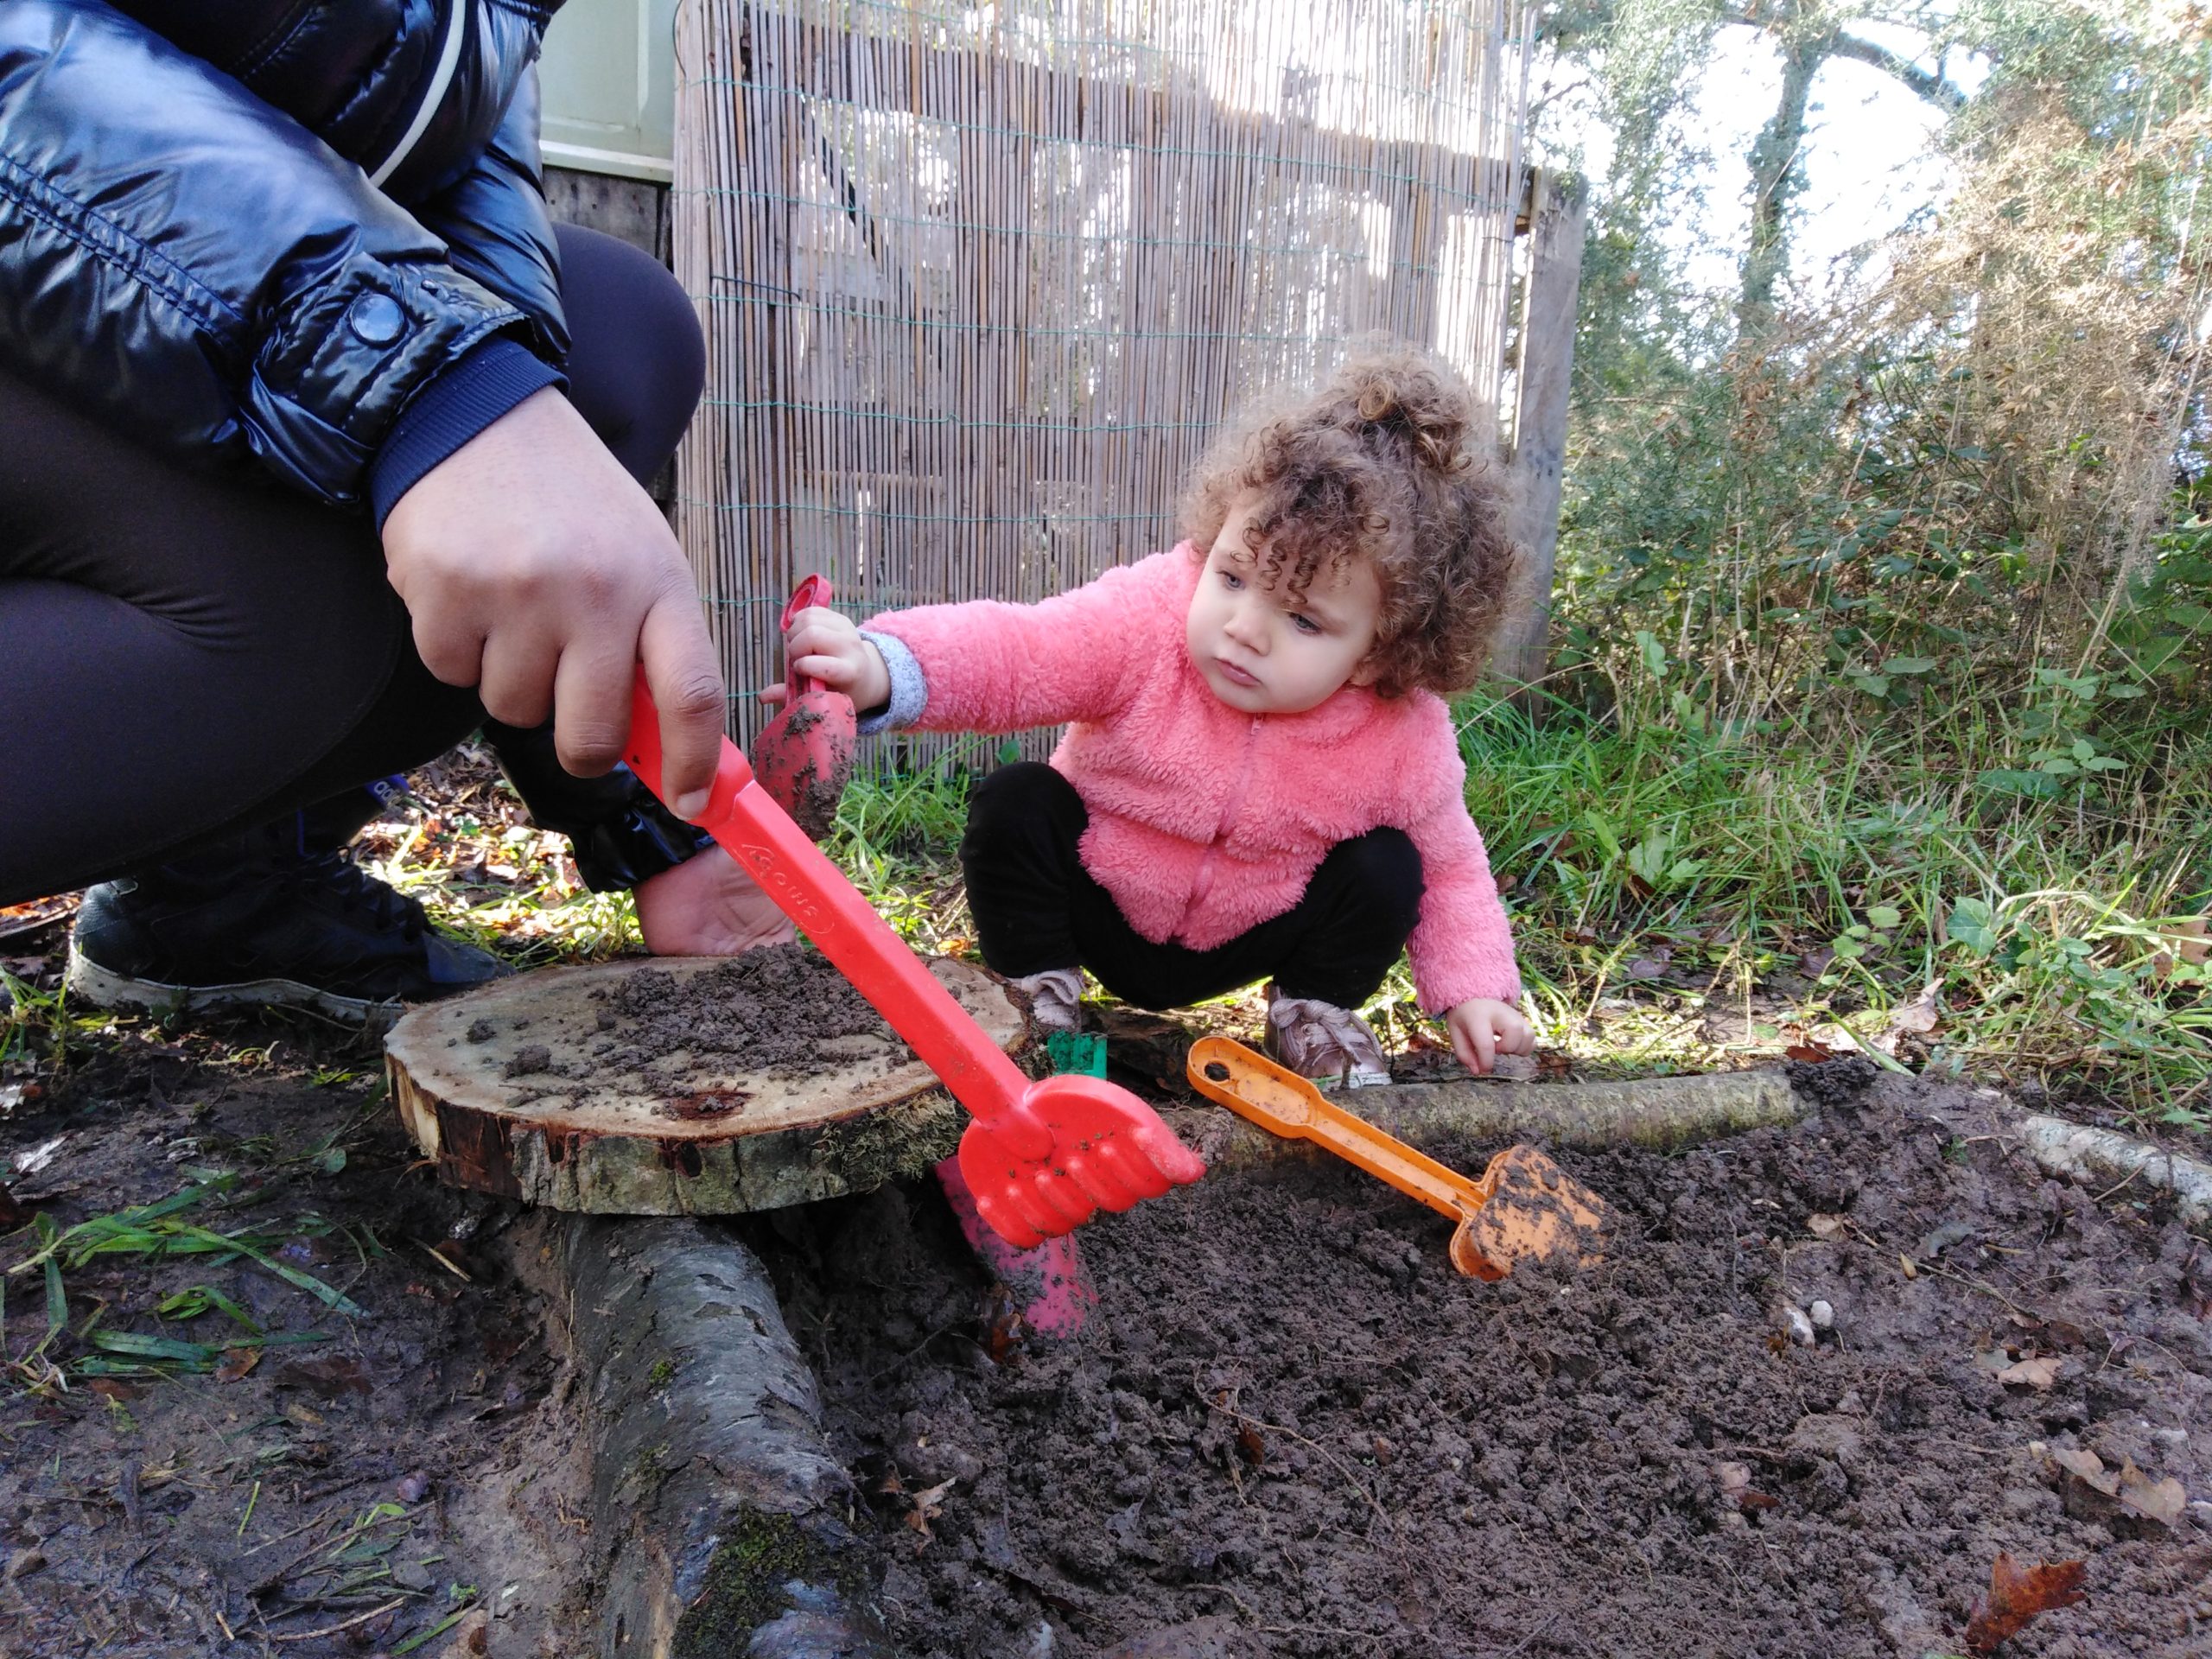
x=1259, y=778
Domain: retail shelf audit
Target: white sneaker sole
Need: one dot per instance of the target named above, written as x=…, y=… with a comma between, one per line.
x=104, y=988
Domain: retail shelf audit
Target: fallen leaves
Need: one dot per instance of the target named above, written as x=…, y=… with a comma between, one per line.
x=2017, y=1594
x=2126, y=1487
x=1826, y=1226
x=2038, y=1373
x=1919, y=1019
x=2016, y=1369
x=927, y=1504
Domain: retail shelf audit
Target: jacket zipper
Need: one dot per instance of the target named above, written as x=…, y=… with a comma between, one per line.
x=1203, y=880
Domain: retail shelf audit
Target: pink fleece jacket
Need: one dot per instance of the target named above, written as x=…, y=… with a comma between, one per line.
x=1206, y=821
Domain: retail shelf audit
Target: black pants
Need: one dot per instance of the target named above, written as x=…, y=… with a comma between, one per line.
x=186, y=653
x=1037, y=907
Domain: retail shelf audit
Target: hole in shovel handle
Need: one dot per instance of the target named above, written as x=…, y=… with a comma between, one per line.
x=1216, y=1072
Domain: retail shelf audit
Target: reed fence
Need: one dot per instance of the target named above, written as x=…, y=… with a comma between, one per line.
x=979, y=281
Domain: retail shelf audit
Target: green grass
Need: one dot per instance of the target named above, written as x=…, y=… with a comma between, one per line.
x=2055, y=930
x=1809, y=876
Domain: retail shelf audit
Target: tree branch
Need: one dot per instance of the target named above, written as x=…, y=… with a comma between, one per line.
x=1933, y=88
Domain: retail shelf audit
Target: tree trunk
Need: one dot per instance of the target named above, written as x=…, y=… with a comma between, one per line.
x=1778, y=174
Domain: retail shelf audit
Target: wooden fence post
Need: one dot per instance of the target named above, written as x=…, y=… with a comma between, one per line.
x=1557, y=213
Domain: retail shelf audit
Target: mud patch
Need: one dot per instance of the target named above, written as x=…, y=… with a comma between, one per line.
x=1289, y=1420
x=404, y=1466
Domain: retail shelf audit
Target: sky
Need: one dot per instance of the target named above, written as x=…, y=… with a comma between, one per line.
x=1870, y=162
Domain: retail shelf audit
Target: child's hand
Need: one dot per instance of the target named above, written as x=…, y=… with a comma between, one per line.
x=1483, y=1028
x=825, y=647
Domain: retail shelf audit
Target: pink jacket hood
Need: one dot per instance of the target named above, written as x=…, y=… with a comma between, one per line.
x=1206, y=821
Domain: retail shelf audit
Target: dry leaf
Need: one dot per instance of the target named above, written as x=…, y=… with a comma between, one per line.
x=2086, y=1466
x=1810, y=1053
x=1821, y=1226
x=2188, y=939
x=2031, y=1373
x=1917, y=1017
x=2017, y=1594
x=927, y=1504
x=235, y=1362
x=2162, y=1500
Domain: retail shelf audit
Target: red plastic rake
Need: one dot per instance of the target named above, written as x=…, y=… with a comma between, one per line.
x=1040, y=1157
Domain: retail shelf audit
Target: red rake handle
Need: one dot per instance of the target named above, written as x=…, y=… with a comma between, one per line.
x=814, y=893
x=811, y=591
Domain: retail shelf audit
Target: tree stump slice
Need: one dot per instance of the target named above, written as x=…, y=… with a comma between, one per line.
x=496, y=1118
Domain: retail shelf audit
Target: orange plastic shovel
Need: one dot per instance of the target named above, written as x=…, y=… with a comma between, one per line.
x=1525, y=1207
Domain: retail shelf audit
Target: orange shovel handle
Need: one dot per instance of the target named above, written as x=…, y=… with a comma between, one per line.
x=1284, y=1103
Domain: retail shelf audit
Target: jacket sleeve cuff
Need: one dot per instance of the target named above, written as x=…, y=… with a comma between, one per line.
x=910, y=691
x=489, y=380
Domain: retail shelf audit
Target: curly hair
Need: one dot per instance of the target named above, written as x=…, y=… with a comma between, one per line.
x=1385, y=462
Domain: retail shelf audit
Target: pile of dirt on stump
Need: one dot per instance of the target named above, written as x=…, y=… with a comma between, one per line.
x=1290, y=1429
x=779, y=1011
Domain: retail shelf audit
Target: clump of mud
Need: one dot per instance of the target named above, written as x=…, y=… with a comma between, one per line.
x=1290, y=1422
x=781, y=1011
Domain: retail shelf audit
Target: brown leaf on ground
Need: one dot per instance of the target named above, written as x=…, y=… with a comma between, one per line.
x=1810, y=1052
x=1822, y=1226
x=2038, y=1373
x=2017, y=1594
x=235, y=1362
x=927, y=1503
x=2086, y=1466
x=2188, y=940
x=2162, y=1500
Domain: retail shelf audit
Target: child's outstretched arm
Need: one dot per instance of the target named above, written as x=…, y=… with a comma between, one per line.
x=988, y=667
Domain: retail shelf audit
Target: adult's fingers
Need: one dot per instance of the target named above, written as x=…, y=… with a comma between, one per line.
x=591, y=703
x=517, y=676
x=687, y=684
x=452, y=649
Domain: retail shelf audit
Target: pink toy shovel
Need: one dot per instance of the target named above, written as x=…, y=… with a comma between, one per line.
x=1041, y=1158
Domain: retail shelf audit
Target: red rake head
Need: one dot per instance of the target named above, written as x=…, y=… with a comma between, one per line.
x=1098, y=1146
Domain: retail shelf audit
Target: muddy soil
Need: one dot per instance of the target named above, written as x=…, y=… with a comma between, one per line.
x=781, y=1012
x=414, y=1464
x=1290, y=1429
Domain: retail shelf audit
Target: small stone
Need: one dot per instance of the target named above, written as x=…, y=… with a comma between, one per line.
x=22, y=1563
x=1801, y=1328
x=1823, y=1315
x=414, y=1487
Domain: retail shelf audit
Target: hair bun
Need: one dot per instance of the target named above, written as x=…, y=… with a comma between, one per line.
x=1402, y=393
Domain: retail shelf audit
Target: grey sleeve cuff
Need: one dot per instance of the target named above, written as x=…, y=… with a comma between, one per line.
x=910, y=692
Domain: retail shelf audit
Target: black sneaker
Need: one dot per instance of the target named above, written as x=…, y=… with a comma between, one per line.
x=267, y=919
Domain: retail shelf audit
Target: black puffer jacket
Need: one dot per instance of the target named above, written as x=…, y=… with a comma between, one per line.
x=263, y=225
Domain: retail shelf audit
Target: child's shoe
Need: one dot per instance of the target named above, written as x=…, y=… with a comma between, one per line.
x=1055, y=998
x=1322, y=1041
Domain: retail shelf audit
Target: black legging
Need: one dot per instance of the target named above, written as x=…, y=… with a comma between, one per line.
x=1036, y=907
x=186, y=653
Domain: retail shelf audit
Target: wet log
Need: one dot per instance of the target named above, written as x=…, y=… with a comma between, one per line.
x=2105, y=1158
x=507, y=1090
x=1461, y=1120
x=718, y=1509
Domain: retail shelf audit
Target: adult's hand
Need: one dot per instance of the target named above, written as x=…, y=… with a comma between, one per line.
x=537, y=570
